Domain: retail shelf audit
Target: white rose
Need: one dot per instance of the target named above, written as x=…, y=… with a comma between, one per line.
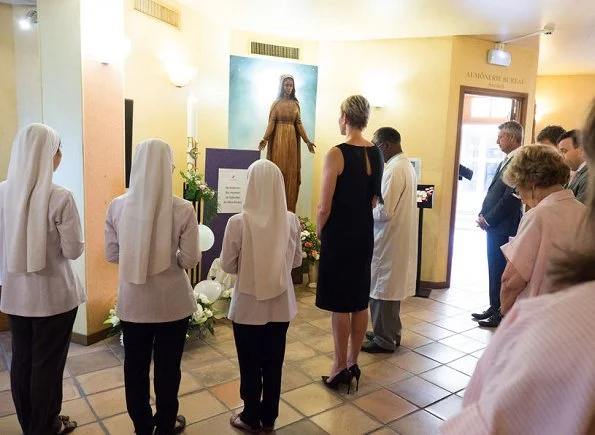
x=226, y=294
x=316, y=256
x=208, y=313
x=198, y=313
x=203, y=299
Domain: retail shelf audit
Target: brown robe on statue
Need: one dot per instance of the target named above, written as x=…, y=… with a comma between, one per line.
x=283, y=136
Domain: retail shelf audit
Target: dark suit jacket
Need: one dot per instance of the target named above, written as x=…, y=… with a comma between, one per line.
x=501, y=210
x=579, y=183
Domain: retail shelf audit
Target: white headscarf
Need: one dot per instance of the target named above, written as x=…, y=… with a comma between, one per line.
x=265, y=233
x=27, y=196
x=146, y=222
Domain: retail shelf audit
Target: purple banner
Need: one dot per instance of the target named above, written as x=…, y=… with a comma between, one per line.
x=216, y=158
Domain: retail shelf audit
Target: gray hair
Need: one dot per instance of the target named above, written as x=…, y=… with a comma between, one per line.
x=514, y=129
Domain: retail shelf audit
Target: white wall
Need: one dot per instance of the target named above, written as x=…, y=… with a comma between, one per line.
x=61, y=84
x=28, y=70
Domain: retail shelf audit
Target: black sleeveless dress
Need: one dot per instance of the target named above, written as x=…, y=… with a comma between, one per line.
x=347, y=239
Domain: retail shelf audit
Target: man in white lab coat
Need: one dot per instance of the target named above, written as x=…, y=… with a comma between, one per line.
x=394, y=264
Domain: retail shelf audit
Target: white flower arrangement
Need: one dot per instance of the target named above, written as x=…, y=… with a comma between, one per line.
x=227, y=294
x=201, y=321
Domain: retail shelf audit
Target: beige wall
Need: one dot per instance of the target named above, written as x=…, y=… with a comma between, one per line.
x=470, y=68
x=8, y=95
x=419, y=80
x=563, y=100
x=160, y=107
x=414, y=77
x=103, y=156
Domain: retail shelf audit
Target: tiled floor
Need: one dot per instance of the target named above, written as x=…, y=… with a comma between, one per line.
x=408, y=392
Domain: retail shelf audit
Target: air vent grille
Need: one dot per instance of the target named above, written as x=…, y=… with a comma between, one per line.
x=158, y=11
x=274, y=50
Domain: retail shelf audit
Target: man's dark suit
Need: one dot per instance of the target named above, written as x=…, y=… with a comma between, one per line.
x=579, y=183
x=502, y=212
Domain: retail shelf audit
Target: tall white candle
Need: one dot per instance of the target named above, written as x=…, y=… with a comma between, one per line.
x=191, y=117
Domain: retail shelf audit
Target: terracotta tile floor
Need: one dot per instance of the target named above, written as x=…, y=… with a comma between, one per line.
x=408, y=392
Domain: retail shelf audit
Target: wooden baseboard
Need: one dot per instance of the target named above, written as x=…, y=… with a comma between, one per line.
x=433, y=284
x=87, y=340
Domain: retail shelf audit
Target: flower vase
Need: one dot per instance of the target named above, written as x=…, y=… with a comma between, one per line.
x=312, y=274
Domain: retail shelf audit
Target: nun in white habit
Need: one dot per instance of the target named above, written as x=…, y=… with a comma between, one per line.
x=261, y=245
x=40, y=233
x=153, y=235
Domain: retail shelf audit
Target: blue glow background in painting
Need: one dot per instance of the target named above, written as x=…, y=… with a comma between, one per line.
x=253, y=87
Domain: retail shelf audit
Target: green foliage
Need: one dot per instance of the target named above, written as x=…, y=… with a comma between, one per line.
x=197, y=189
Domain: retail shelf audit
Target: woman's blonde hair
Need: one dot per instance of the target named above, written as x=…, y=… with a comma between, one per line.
x=536, y=166
x=356, y=110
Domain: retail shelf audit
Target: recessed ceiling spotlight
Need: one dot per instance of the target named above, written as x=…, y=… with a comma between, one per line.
x=29, y=20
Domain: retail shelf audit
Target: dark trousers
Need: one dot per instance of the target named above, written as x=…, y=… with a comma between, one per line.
x=496, y=265
x=39, y=350
x=166, y=342
x=261, y=350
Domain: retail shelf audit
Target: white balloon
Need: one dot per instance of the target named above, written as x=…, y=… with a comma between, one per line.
x=206, y=238
x=210, y=288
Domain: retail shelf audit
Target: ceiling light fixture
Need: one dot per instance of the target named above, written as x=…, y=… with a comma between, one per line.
x=499, y=56
x=29, y=20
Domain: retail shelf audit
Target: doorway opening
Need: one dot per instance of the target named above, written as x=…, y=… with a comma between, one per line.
x=480, y=113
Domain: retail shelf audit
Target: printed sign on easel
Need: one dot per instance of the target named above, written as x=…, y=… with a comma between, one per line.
x=231, y=189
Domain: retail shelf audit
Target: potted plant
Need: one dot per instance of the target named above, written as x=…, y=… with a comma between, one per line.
x=310, y=249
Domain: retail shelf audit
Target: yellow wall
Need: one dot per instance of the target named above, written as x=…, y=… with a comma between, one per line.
x=419, y=80
x=414, y=77
x=470, y=68
x=563, y=100
x=8, y=94
x=103, y=138
x=160, y=107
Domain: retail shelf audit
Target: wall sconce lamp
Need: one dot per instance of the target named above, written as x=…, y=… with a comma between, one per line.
x=181, y=75
x=29, y=20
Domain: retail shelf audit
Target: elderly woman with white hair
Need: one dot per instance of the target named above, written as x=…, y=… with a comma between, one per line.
x=538, y=174
x=40, y=233
x=153, y=235
x=261, y=244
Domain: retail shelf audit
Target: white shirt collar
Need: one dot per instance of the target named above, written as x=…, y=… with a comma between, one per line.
x=511, y=154
x=581, y=166
x=393, y=158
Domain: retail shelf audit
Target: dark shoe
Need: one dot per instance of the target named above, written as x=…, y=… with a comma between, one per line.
x=236, y=421
x=370, y=335
x=485, y=315
x=179, y=427
x=344, y=377
x=492, y=321
x=372, y=347
x=66, y=426
x=356, y=372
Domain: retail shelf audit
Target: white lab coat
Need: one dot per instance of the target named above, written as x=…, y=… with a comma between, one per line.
x=394, y=263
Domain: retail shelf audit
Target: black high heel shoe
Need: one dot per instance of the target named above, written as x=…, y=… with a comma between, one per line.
x=356, y=373
x=344, y=377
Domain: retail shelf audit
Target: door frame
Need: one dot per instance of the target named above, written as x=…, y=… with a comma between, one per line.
x=523, y=99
